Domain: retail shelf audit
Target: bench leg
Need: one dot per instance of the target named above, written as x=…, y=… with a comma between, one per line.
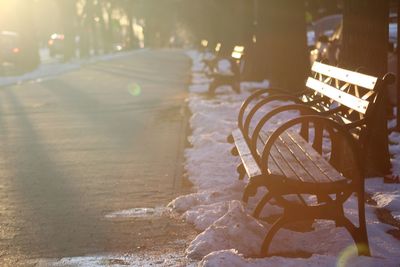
x=251, y=187
x=260, y=205
x=230, y=139
x=236, y=87
x=214, y=85
x=241, y=170
x=234, y=151
x=359, y=235
x=362, y=231
x=271, y=233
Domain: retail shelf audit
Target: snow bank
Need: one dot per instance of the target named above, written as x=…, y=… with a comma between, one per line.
x=229, y=234
x=52, y=69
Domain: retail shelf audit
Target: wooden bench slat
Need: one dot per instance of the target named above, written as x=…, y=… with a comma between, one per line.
x=250, y=166
x=312, y=161
x=316, y=158
x=347, y=76
x=283, y=165
x=272, y=165
x=341, y=97
x=283, y=159
x=292, y=161
x=304, y=160
x=248, y=161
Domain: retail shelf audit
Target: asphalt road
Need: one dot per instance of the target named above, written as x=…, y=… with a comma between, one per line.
x=82, y=145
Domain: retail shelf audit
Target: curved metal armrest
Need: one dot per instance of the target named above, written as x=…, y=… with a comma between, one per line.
x=260, y=92
x=331, y=126
x=248, y=100
x=244, y=125
x=304, y=110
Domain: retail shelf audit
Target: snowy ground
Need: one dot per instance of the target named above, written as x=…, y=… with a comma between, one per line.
x=229, y=236
x=53, y=67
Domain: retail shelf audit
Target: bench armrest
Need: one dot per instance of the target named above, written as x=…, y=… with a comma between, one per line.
x=257, y=94
x=244, y=125
x=303, y=109
x=249, y=99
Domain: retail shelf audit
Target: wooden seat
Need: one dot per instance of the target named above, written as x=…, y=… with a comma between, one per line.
x=293, y=159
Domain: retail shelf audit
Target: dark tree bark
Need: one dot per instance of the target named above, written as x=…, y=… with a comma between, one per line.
x=365, y=45
x=251, y=59
x=282, y=53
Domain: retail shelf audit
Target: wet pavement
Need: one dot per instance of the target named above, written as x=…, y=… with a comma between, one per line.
x=79, y=147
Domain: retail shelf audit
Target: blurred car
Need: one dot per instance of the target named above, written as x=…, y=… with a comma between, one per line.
x=327, y=25
x=56, y=44
x=327, y=46
x=10, y=49
x=323, y=26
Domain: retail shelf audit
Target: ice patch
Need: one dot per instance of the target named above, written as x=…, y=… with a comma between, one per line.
x=136, y=213
x=115, y=260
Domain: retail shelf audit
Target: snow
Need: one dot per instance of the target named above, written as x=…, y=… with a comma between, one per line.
x=52, y=68
x=386, y=195
x=229, y=235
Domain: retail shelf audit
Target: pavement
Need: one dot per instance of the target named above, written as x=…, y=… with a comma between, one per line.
x=81, y=146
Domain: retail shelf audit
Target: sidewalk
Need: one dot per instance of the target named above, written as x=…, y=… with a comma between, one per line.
x=89, y=160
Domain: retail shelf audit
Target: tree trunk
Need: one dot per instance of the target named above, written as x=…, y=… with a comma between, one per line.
x=365, y=45
x=251, y=60
x=281, y=43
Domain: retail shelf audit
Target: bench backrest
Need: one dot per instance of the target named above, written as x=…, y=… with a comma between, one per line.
x=342, y=87
x=351, y=94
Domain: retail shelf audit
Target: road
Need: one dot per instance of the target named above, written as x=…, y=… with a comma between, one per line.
x=75, y=148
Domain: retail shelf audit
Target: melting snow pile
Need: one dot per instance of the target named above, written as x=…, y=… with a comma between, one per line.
x=229, y=235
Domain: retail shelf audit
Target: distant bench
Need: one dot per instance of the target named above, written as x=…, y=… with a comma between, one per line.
x=225, y=75
x=335, y=110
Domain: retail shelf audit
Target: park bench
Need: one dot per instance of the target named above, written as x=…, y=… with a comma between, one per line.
x=225, y=75
x=319, y=153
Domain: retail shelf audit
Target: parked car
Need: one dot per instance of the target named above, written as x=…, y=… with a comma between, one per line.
x=324, y=26
x=56, y=44
x=327, y=46
x=10, y=49
x=327, y=25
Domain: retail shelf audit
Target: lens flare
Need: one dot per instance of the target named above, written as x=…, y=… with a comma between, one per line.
x=349, y=253
x=134, y=89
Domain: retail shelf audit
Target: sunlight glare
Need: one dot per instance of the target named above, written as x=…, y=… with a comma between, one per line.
x=347, y=254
